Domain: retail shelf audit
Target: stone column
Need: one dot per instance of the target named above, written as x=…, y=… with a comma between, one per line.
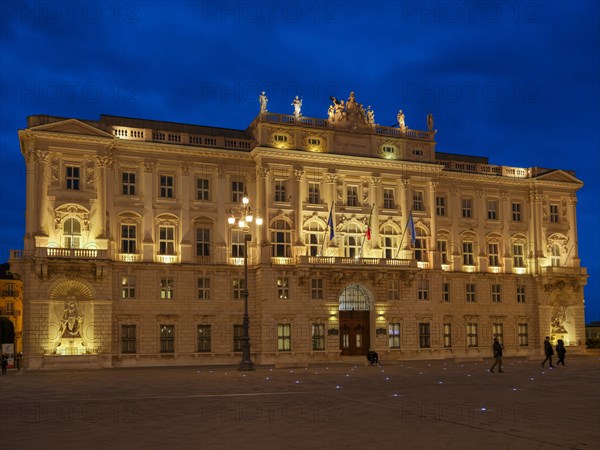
x=185, y=225
x=42, y=191
x=405, y=200
x=571, y=217
x=376, y=197
x=480, y=210
x=433, y=251
x=297, y=201
x=534, y=251
x=149, y=191
x=506, y=216
x=32, y=224
x=455, y=211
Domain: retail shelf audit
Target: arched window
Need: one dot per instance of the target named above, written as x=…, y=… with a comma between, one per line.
x=389, y=241
x=281, y=239
x=313, y=238
x=353, y=240
x=72, y=233
x=555, y=255
x=354, y=298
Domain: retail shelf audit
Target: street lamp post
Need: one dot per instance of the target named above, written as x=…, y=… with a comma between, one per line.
x=243, y=216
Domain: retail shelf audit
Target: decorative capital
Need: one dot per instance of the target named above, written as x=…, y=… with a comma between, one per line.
x=149, y=165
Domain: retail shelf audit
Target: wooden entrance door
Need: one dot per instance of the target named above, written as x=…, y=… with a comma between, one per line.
x=354, y=332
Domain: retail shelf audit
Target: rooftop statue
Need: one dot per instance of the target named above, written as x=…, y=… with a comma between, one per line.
x=430, y=122
x=401, y=122
x=262, y=98
x=350, y=113
x=297, y=104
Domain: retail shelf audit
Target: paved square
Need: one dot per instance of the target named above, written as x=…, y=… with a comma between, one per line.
x=411, y=405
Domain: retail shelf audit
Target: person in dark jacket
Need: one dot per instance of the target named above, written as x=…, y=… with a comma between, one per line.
x=373, y=357
x=560, y=352
x=497, y=348
x=549, y=351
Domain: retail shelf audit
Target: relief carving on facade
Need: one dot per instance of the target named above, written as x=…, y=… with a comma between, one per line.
x=350, y=114
x=55, y=170
x=559, y=239
x=90, y=174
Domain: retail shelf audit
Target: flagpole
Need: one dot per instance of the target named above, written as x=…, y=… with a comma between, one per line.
x=403, y=233
x=327, y=228
x=367, y=232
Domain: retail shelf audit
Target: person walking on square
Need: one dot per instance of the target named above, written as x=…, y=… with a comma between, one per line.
x=560, y=352
x=497, y=348
x=549, y=351
x=4, y=363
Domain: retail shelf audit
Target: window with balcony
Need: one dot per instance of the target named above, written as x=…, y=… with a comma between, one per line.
x=128, y=239
x=468, y=255
x=281, y=239
x=166, y=240
x=421, y=246
x=203, y=240
x=72, y=233
x=555, y=255
x=493, y=254
x=388, y=236
x=237, y=243
x=518, y=255
x=442, y=246
x=353, y=241
x=313, y=238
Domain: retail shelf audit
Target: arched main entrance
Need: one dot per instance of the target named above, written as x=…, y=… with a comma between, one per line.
x=354, y=320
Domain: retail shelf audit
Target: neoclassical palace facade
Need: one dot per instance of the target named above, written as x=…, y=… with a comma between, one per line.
x=370, y=239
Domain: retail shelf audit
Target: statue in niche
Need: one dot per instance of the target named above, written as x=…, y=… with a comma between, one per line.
x=297, y=104
x=70, y=325
x=401, y=121
x=559, y=317
x=430, y=122
x=262, y=98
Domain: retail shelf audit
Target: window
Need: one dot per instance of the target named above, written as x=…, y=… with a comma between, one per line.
x=284, y=338
x=166, y=240
x=418, y=204
x=424, y=335
x=238, y=285
x=516, y=212
x=166, y=288
x=128, y=183
x=496, y=293
x=394, y=335
x=468, y=257
x=128, y=239
x=442, y=247
x=72, y=233
x=520, y=293
x=283, y=290
x=447, y=335
x=128, y=339
x=238, y=338
x=472, y=335
x=202, y=189
x=353, y=241
x=523, y=334
x=498, y=331
x=237, y=191
x=128, y=284
x=420, y=246
x=470, y=290
x=446, y=292
x=555, y=255
x=318, y=336
x=423, y=291
x=393, y=289
x=203, y=288
x=518, y=255
x=316, y=288
x=389, y=242
x=352, y=195
x=167, y=338
x=313, y=238
x=314, y=193
x=204, y=335
x=440, y=206
x=72, y=178
x=166, y=186
x=492, y=207
x=202, y=241
x=554, y=213
x=467, y=208
x=281, y=239
x=388, y=198
x=494, y=254
x=237, y=243
x=280, y=191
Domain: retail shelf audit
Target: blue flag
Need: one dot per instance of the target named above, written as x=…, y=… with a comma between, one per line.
x=330, y=223
x=411, y=224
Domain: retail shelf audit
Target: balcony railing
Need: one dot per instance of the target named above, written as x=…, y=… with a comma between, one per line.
x=10, y=312
x=70, y=253
x=555, y=270
x=336, y=260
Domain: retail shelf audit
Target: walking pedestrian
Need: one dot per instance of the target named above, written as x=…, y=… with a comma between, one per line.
x=560, y=352
x=497, y=348
x=549, y=351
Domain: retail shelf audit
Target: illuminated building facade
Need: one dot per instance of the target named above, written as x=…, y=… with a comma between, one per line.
x=129, y=258
x=11, y=308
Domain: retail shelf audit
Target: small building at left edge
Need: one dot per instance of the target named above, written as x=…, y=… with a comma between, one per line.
x=11, y=314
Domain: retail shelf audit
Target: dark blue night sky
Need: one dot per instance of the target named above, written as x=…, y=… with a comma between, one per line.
x=517, y=81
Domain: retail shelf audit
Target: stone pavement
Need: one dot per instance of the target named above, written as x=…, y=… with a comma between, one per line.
x=411, y=405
